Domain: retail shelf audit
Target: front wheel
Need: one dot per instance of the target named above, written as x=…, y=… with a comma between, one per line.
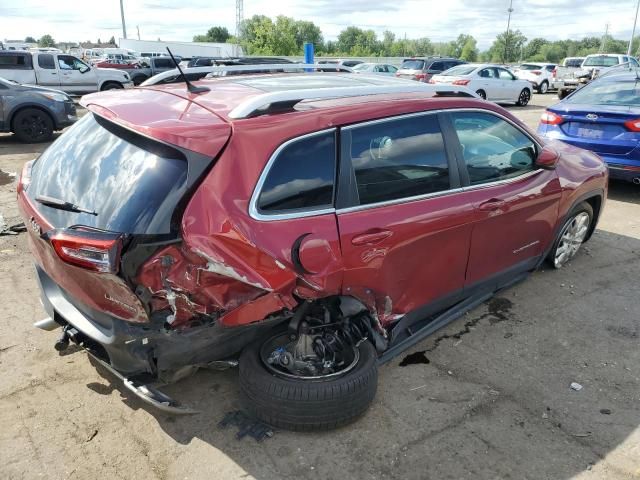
x=32, y=126
x=284, y=396
x=112, y=86
x=572, y=235
x=523, y=99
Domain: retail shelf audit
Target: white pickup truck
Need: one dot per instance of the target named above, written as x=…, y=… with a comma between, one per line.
x=59, y=71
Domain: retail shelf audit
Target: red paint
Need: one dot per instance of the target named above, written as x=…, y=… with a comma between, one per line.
x=237, y=270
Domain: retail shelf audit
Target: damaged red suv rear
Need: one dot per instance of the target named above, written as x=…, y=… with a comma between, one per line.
x=304, y=226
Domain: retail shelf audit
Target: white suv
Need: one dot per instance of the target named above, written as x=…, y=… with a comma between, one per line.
x=539, y=75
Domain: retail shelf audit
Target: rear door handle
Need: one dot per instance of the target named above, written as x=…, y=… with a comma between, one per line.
x=371, y=237
x=491, y=205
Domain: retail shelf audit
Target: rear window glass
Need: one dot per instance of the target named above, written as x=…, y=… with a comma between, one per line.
x=529, y=66
x=398, y=159
x=413, y=64
x=13, y=61
x=460, y=70
x=301, y=177
x=132, y=189
x=608, y=93
x=601, y=61
x=573, y=62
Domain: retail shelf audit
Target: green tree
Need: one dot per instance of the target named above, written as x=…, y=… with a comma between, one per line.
x=552, y=52
x=46, y=41
x=533, y=47
x=308, y=32
x=30, y=40
x=214, y=34
x=469, y=51
x=358, y=42
x=507, y=46
x=457, y=46
x=112, y=40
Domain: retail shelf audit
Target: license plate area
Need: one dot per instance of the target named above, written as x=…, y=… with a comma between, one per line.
x=590, y=133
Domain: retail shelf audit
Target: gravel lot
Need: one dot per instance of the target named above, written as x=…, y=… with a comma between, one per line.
x=489, y=397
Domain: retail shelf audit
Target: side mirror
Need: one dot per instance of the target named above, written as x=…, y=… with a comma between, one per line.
x=547, y=158
x=84, y=69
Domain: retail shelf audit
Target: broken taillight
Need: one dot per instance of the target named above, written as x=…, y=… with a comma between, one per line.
x=95, y=251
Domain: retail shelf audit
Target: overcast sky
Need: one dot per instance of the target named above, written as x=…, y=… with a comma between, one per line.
x=440, y=20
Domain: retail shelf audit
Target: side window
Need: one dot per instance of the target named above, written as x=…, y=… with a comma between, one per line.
x=505, y=74
x=14, y=61
x=634, y=62
x=46, y=62
x=398, y=159
x=437, y=66
x=488, y=73
x=550, y=68
x=301, y=177
x=493, y=149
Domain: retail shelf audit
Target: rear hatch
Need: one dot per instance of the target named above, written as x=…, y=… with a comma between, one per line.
x=411, y=68
x=118, y=178
x=600, y=128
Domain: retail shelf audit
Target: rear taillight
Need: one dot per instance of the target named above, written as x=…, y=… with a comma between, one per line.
x=420, y=77
x=432, y=81
x=25, y=177
x=461, y=82
x=633, y=125
x=551, y=118
x=96, y=251
x=555, y=72
x=536, y=72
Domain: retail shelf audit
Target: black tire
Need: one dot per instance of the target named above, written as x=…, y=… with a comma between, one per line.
x=563, y=93
x=137, y=80
x=544, y=87
x=32, y=126
x=482, y=94
x=306, y=405
x=524, y=97
x=112, y=86
x=578, y=210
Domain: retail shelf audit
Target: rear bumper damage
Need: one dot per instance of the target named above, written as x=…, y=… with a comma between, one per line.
x=144, y=356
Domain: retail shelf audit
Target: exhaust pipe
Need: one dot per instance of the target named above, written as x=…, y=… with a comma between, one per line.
x=47, y=324
x=636, y=180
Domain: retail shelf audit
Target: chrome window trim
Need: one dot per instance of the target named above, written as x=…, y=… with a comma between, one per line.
x=256, y=215
x=254, y=212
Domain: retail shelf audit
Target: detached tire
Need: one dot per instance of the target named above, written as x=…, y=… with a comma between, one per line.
x=307, y=405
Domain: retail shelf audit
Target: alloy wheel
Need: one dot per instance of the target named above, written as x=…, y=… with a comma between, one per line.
x=524, y=98
x=34, y=126
x=571, y=237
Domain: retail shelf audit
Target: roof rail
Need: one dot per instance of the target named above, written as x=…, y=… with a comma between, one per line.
x=272, y=102
x=266, y=67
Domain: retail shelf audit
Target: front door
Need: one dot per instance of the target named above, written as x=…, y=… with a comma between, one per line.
x=510, y=89
x=75, y=75
x=404, y=226
x=515, y=203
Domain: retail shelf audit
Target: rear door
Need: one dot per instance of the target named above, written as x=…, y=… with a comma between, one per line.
x=516, y=204
x=47, y=72
x=404, y=225
x=490, y=83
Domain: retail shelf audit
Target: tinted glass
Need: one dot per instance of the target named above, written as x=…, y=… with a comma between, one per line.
x=125, y=184
x=492, y=148
x=438, y=66
x=550, y=68
x=608, y=93
x=164, y=63
x=302, y=176
x=488, y=73
x=460, y=70
x=573, y=62
x=529, y=66
x=398, y=159
x=12, y=61
x=46, y=61
x=413, y=64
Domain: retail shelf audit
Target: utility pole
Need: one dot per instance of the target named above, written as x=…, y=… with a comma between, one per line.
x=138, y=29
x=633, y=32
x=603, y=43
x=124, y=27
x=239, y=16
x=507, y=38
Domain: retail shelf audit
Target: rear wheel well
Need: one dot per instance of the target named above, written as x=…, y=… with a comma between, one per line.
x=596, y=205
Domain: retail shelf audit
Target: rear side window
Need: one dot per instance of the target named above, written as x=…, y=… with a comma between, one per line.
x=398, y=159
x=302, y=176
x=412, y=64
x=13, y=61
x=164, y=63
x=46, y=62
x=438, y=66
x=492, y=148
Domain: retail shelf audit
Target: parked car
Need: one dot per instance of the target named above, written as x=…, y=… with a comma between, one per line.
x=540, y=75
x=422, y=69
x=34, y=113
x=349, y=62
x=377, y=68
x=208, y=228
x=60, y=71
x=139, y=73
x=603, y=117
x=491, y=82
x=592, y=67
x=565, y=76
x=115, y=58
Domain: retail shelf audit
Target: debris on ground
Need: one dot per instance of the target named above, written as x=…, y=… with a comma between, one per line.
x=11, y=230
x=605, y=411
x=246, y=426
x=92, y=436
x=7, y=177
x=576, y=386
x=581, y=435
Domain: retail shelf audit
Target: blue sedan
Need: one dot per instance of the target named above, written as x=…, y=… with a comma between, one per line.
x=603, y=117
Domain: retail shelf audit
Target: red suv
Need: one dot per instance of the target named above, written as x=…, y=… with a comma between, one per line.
x=306, y=226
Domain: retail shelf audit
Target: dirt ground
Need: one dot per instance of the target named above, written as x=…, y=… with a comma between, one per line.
x=488, y=397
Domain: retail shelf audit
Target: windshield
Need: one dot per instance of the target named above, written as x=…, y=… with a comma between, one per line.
x=460, y=70
x=363, y=67
x=625, y=93
x=600, y=61
x=132, y=183
x=413, y=64
x=530, y=66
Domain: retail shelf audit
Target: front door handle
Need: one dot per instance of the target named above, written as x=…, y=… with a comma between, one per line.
x=371, y=237
x=491, y=205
